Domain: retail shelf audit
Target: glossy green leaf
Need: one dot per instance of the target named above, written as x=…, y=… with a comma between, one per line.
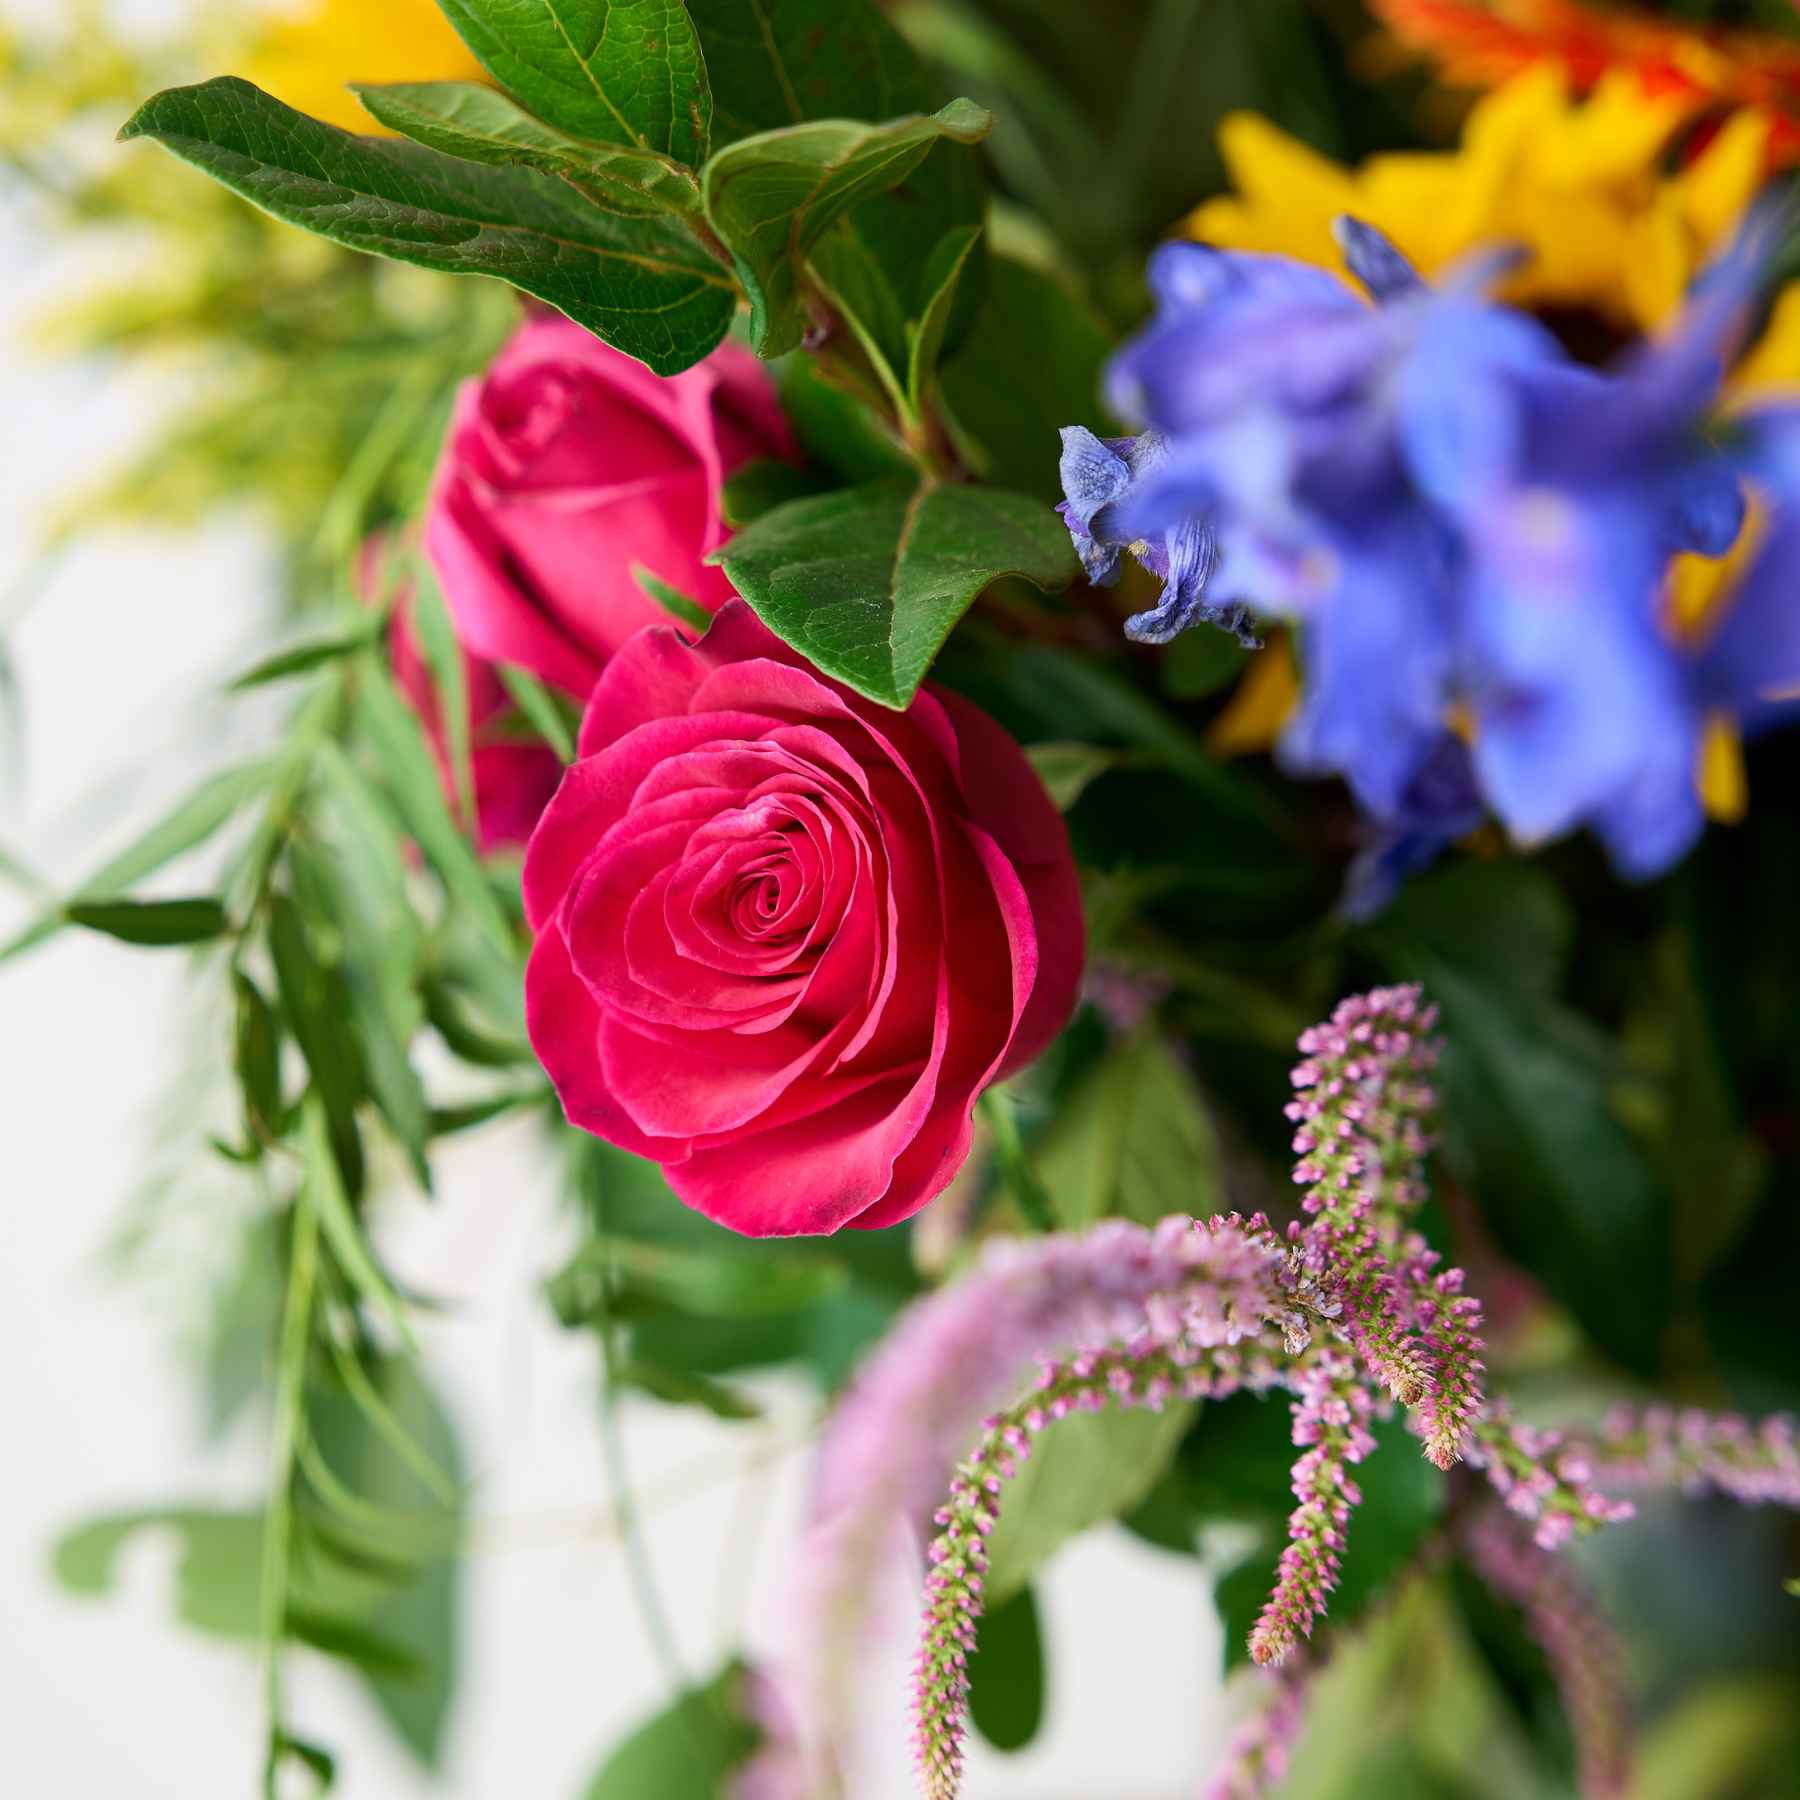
x=462, y=118
x=685, y=1752
x=185, y=827
x=1134, y=1141
x=868, y=583
x=152, y=923
x=942, y=282
x=1085, y=1469
x=1006, y=1673
x=771, y=197
x=613, y=71
x=644, y=285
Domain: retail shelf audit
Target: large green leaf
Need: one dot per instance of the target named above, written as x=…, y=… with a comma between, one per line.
x=1088, y=1468
x=777, y=62
x=868, y=583
x=463, y=118
x=644, y=285
x=685, y=1752
x=615, y=71
x=1133, y=1142
x=771, y=197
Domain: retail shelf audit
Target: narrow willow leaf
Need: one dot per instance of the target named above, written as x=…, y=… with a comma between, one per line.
x=186, y=827
x=671, y=599
x=943, y=280
x=644, y=285
x=868, y=583
x=681, y=1387
x=257, y=1059
x=431, y=624
x=614, y=71
x=342, y=1230
x=462, y=118
x=771, y=197
x=542, y=709
x=301, y=659
x=410, y=777
x=152, y=923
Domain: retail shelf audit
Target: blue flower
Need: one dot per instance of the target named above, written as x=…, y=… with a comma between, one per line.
x=1463, y=524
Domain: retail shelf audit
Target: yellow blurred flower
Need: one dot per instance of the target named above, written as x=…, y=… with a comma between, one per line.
x=1614, y=239
x=308, y=58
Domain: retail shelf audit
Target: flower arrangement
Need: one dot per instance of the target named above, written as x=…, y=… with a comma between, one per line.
x=877, y=604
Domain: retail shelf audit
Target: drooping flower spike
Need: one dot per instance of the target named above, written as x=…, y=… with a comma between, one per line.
x=1348, y=1311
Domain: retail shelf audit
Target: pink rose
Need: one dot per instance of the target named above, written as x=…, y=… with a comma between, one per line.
x=784, y=936
x=566, y=464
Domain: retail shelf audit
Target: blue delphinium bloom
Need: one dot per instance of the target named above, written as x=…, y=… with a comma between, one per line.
x=1462, y=523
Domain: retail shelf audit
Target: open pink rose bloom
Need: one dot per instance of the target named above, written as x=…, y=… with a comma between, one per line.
x=784, y=936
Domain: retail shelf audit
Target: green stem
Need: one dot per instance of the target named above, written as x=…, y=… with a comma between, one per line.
x=1028, y=1192
x=278, y=1528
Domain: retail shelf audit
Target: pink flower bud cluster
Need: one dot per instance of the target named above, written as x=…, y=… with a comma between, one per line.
x=1362, y=1102
x=1256, y=1759
x=1146, y=1373
x=1577, y=1642
x=1693, y=1452
x=1331, y=1412
x=1544, y=1478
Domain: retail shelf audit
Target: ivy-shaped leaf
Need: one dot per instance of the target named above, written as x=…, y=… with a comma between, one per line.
x=771, y=197
x=612, y=71
x=644, y=285
x=868, y=583
x=462, y=118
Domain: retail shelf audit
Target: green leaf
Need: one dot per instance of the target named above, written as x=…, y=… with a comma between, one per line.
x=462, y=118
x=761, y=485
x=317, y=1011
x=1085, y=1469
x=1031, y=364
x=186, y=827
x=1133, y=1142
x=868, y=583
x=1006, y=1674
x=362, y=1648
x=444, y=659
x=772, y=196
x=543, y=709
x=680, y=1387
x=671, y=599
x=942, y=281
x=411, y=780
x=344, y=1232
x=723, y=1285
x=644, y=285
x=1066, y=769
x=613, y=71
x=686, y=1752
x=301, y=659
x=256, y=1059
x=152, y=923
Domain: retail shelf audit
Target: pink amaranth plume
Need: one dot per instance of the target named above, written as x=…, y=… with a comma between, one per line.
x=1583, y=1654
x=1692, y=1451
x=1256, y=1759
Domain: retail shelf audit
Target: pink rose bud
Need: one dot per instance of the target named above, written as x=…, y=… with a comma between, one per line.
x=785, y=936
x=567, y=464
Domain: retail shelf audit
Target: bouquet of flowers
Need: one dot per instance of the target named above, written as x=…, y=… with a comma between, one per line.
x=961, y=573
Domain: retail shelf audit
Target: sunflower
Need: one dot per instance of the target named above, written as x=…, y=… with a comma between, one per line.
x=1614, y=236
x=308, y=57
x=1701, y=68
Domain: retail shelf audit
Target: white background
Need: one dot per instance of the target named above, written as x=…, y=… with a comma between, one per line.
x=120, y=658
